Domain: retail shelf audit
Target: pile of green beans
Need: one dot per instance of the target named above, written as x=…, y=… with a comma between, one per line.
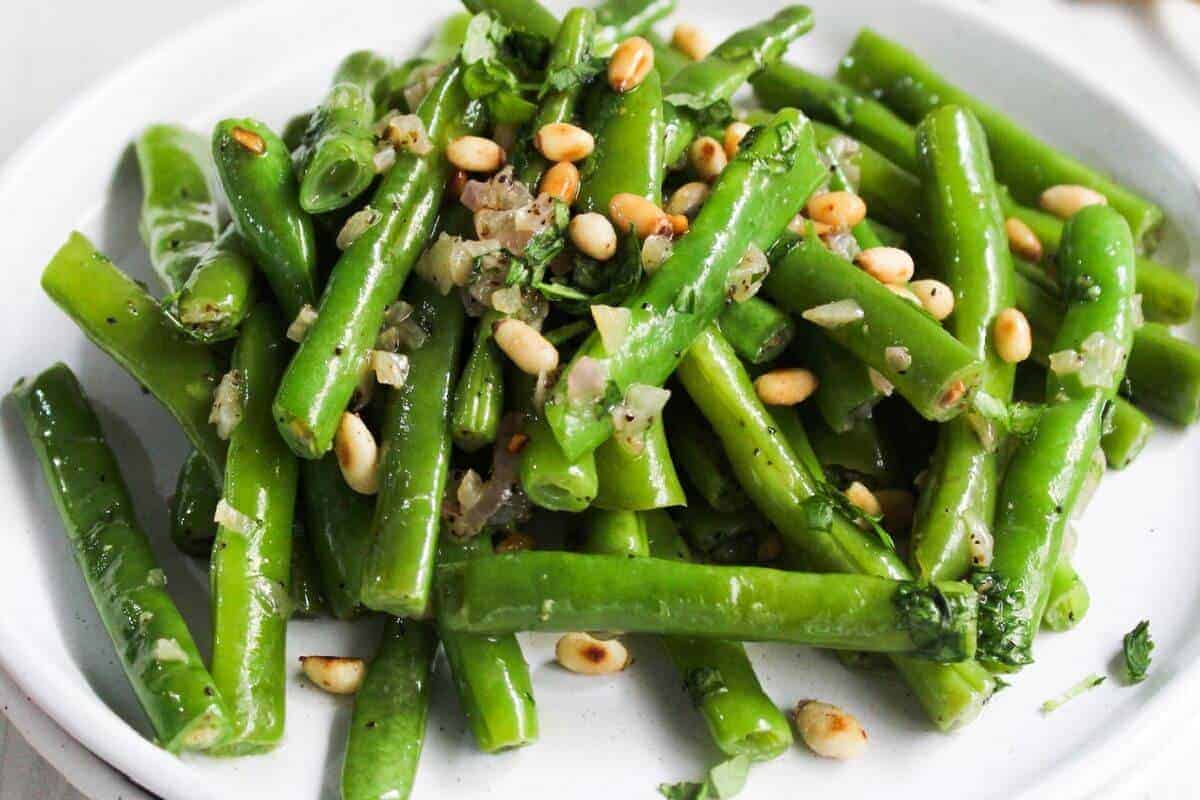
x=585, y=411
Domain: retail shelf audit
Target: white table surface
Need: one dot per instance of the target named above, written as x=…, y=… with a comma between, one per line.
x=50, y=52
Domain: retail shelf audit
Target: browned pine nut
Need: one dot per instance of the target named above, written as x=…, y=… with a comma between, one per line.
x=862, y=497
x=935, y=297
x=691, y=41
x=636, y=212
x=357, y=454
x=732, y=140
x=688, y=199
x=334, y=674
x=527, y=348
x=631, y=62
x=829, y=731
x=475, y=154
x=562, y=141
x=886, y=264
x=593, y=235
x=839, y=209
x=561, y=182
x=953, y=394
x=785, y=387
x=584, y=654
x=799, y=226
x=249, y=140
x=679, y=224
x=707, y=157
x=1022, y=240
x=1065, y=199
x=1014, y=339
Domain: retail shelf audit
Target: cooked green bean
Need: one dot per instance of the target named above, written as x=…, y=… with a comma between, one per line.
x=219, y=292
x=192, y=507
x=478, y=401
x=759, y=331
x=703, y=461
x=338, y=521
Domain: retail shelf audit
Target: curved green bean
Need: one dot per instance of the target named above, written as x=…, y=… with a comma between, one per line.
x=759, y=331
x=614, y=533
x=219, y=292
x=703, y=461
x=638, y=481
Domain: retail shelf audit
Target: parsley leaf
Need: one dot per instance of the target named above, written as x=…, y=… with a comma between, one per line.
x=1137, y=646
x=1090, y=682
x=723, y=781
x=562, y=79
x=489, y=75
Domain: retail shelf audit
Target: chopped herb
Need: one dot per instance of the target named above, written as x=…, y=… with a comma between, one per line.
x=1088, y=683
x=1137, y=646
x=566, y=78
x=723, y=781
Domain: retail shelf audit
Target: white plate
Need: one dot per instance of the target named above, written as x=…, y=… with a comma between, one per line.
x=601, y=737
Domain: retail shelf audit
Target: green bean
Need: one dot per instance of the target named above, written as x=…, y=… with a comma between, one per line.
x=845, y=392
x=307, y=598
x=858, y=452
x=219, y=292
x=1027, y=165
x=338, y=521
x=941, y=371
x=562, y=592
x=704, y=462
x=131, y=327
x=336, y=158
x=252, y=557
x=620, y=19
x=148, y=634
x=752, y=201
x=526, y=16
x=549, y=478
x=387, y=729
x=759, y=331
x=631, y=481
x=779, y=481
x=612, y=533
x=723, y=537
x=479, y=394
x=1069, y=599
x=965, y=224
x=1047, y=470
x=179, y=215
x=1126, y=432
x=414, y=464
x=667, y=60
x=293, y=130
x=489, y=672
x=192, y=507
x=321, y=378
x=628, y=155
x=256, y=173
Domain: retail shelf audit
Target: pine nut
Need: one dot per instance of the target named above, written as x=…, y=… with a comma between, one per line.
x=562, y=141
x=1014, y=339
x=829, y=731
x=886, y=264
x=864, y=499
x=357, y=454
x=691, y=41
x=593, y=235
x=527, y=348
x=458, y=182
x=898, y=506
x=561, y=182
x=1022, y=240
x=475, y=154
x=707, y=157
x=688, y=199
x=1065, y=199
x=514, y=542
x=732, y=140
x=785, y=387
x=634, y=211
x=249, y=140
x=953, y=394
x=799, y=226
x=584, y=654
x=839, y=209
x=630, y=64
x=935, y=297
x=679, y=224
x=902, y=290
x=334, y=674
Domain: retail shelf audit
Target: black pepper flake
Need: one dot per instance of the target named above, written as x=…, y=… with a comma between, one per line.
x=111, y=320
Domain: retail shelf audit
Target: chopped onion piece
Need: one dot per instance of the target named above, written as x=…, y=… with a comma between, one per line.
x=835, y=314
x=359, y=223
x=168, y=650
x=384, y=159
x=469, y=490
x=507, y=300
x=881, y=384
x=1102, y=356
x=542, y=388
x=1065, y=362
x=843, y=243
x=634, y=416
x=747, y=277
x=501, y=192
x=230, y=518
x=898, y=358
x=399, y=329
x=227, y=408
x=985, y=430
x=300, y=325
x=586, y=380
x=655, y=251
x=391, y=369
x=613, y=323
x=407, y=131
x=423, y=79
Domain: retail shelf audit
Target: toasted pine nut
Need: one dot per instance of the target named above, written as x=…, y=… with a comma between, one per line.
x=561, y=181
x=935, y=297
x=1065, y=199
x=898, y=506
x=562, y=141
x=1014, y=339
x=679, y=224
x=829, y=731
x=249, y=140
x=636, y=212
x=593, y=235
x=691, y=41
x=1022, y=240
x=864, y=499
x=785, y=387
x=475, y=154
x=527, y=348
x=732, y=140
x=902, y=290
x=516, y=443
x=886, y=264
x=631, y=62
x=688, y=199
x=458, y=182
x=515, y=541
x=707, y=157
x=839, y=209
x=954, y=392
x=587, y=655
x=799, y=226
x=334, y=674
x=357, y=454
